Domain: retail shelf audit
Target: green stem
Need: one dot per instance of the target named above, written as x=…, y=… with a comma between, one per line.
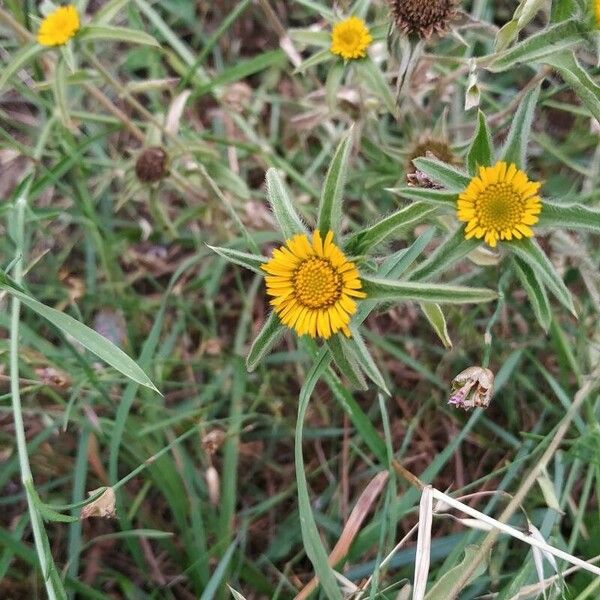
x=37, y=525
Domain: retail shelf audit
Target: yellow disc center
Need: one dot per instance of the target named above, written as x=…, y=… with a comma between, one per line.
x=316, y=283
x=499, y=206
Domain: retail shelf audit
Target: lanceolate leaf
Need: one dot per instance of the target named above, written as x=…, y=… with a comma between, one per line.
x=93, y=33
x=377, y=83
x=583, y=85
x=569, y=216
x=397, y=264
x=244, y=259
x=90, y=339
x=364, y=357
x=447, y=253
x=480, y=153
x=535, y=291
x=515, y=147
x=265, y=340
x=401, y=219
x=346, y=361
x=530, y=252
x=436, y=319
x=440, y=198
x=285, y=213
x=330, y=207
x=21, y=58
x=450, y=177
x=536, y=47
x=384, y=289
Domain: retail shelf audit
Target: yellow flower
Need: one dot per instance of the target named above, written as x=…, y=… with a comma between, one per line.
x=597, y=12
x=59, y=26
x=350, y=38
x=499, y=203
x=312, y=285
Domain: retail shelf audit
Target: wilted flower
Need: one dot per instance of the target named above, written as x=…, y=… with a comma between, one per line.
x=472, y=388
x=423, y=17
x=350, y=38
x=500, y=203
x=151, y=165
x=59, y=26
x=103, y=506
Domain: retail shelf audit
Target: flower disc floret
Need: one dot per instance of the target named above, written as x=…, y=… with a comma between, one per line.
x=350, y=39
x=312, y=285
x=59, y=26
x=499, y=203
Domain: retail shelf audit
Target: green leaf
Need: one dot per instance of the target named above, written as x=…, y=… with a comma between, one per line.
x=95, y=33
x=408, y=216
x=109, y=11
x=346, y=361
x=536, y=292
x=330, y=206
x=450, y=177
x=536, y=47
x=23, y=56
x=432, y=196
x=310, y=534
x=59, y=85
x=365, y=359
x=451, y=250
x=315, y=59
x=48, y=514
x=569, y=216
x=481, y=151
x=333, y=82
x=515, y=147
x=583, y=85
x=530, y=252
x=265, y=340
x=310, y=37
x=244, y=259
x=385, y=289
x=376, y=83
x=444, y=585
x=398, y=263
x=281, y=203
x=90, y=339
x=436, y=319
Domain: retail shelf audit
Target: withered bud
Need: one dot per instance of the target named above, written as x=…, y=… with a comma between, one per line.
x=152, y=165
x=472, y=388
x=103, y=506
x=212, y=441
x=423, y=17
x=430, y=147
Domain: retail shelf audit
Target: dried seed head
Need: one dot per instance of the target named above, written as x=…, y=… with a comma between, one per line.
x=430, y=147
x=423, y=17
x=103, y=506
x=472, y=388
x=151, y=165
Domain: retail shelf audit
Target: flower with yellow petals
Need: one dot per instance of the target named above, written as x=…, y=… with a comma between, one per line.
x=312, y=284
x=59, y=26
x=499, y=203
x=350, y=38
x=597, y=12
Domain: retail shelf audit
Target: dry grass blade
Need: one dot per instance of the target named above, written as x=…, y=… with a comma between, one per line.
x=352, y=527
x=423, y=556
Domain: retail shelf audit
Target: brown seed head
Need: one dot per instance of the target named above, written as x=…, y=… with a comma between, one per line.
x=428, y=146
x=151, y=165
x=423, y=17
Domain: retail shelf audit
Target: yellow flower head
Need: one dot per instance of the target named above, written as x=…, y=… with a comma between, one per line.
x=499, y=203
x=350, y=38
x=59, y=26
x=312, y=285
x=597, y=12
